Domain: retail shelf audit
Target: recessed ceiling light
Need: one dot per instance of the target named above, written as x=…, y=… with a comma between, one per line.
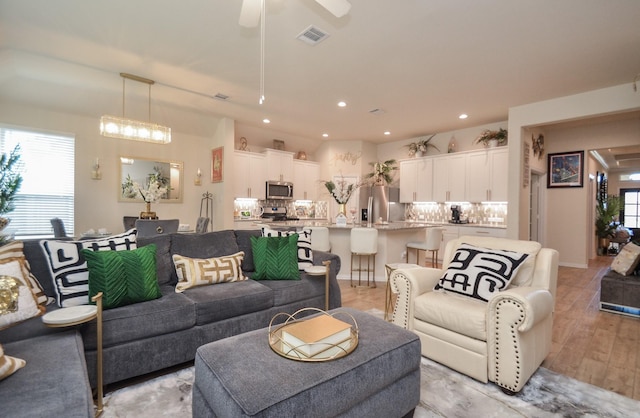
x=463, y=116
x=342, y=104
x=325, y=135
x=265, y=120
x=387, y=133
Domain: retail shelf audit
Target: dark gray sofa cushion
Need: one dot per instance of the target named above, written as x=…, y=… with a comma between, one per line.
x=39, y=265
x=172, y=312
x=287, y=291
x=226, y=300
x=54, y=381
x=243, y=238
x=164, y=265
x=211, y=244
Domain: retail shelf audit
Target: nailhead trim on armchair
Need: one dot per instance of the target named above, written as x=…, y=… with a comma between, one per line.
x=516, y=348
x=400, y=315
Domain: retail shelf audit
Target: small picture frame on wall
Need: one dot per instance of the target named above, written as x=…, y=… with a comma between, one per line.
x=565, y=169
x=217, y=164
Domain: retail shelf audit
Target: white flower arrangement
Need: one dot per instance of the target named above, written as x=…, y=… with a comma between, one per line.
x=153, y=193
x=341, y=191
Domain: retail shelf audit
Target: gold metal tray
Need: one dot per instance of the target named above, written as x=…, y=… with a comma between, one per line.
x=329, y=351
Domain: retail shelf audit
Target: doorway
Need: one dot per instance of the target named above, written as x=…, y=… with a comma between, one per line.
x=536, y=203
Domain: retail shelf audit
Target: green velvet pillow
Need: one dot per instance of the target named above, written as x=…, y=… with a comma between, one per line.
x=275, y=258
x=123, y=277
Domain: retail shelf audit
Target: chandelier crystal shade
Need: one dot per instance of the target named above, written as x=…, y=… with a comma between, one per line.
x=123, y=128
x=117, y=127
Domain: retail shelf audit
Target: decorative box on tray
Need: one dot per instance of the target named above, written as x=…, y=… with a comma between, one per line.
x=317, y=338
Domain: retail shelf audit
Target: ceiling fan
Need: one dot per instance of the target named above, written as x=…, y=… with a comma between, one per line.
x=252, y=9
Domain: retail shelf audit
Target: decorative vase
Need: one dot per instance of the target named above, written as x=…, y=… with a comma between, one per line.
x=492, y=143
x=341, y=217
x=147, y=214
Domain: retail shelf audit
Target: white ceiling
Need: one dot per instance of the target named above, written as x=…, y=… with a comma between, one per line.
x=421, y=61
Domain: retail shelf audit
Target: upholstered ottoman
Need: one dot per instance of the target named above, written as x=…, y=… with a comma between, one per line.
x=241, y=376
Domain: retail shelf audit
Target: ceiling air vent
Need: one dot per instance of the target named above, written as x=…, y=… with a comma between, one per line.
x=376, y=111
x=220, y=96
x=312, y=35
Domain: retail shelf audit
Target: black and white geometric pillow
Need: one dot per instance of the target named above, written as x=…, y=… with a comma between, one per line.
x=69, y=268
x=305, y=255
x=480, y=272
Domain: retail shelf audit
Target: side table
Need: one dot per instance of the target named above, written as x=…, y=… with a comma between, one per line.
x=76, y=315
x=390, y=268
x=319, y=271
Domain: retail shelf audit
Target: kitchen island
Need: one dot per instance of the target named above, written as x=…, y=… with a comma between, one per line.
x=392, y=239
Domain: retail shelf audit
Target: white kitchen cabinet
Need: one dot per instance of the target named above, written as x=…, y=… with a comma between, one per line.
x=487, y=176
x=306, y=176
x=483, y=232
x=449, y=232
x=416, y=180
x=449, y=178
x=279, y=165
x=249, y=175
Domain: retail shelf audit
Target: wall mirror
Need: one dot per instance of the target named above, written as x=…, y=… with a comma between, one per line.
x=140, y=171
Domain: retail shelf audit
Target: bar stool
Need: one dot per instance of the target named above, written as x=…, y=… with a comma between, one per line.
x=364, y=243
x=320, y=238
x=433, y=239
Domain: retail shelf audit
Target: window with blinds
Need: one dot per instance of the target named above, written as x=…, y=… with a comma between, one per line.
x=631, y=208
x=47, y=167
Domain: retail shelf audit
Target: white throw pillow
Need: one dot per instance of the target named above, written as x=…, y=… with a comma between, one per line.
x=627, y=260
x=9, y=365
x=194, y=272
x=17, y=301
x=480, y=272
x=69, y=268
x=305, y=254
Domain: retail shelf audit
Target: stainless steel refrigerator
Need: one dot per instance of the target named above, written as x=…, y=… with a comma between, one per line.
x=385, y=203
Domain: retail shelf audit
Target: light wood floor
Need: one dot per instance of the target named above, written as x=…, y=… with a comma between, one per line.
x=596, y=347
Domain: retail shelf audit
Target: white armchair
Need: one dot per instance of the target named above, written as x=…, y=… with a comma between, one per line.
x=503, y=340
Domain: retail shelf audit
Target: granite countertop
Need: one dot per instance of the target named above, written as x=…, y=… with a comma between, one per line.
x=391, y=226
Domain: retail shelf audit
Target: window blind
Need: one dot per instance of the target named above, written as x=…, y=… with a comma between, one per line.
x=47, y=167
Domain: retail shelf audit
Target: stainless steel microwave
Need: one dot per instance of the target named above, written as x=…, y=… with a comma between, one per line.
x=279, y=190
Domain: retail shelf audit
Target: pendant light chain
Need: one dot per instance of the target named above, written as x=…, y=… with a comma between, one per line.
x=123, y=86
x=262, y=36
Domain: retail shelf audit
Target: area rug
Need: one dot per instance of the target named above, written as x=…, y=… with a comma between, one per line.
x=443, y=393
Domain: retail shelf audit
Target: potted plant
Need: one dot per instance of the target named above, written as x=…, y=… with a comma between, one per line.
x=606, y=212
x=492, y=139
x=382, y=171
x=420, y=147
x=10, y=182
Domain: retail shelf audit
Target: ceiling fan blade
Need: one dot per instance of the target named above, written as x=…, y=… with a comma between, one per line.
x=338, y=8
x=250, y=13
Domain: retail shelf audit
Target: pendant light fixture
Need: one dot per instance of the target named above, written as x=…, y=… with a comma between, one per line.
x=262, y=35
x=120, y=127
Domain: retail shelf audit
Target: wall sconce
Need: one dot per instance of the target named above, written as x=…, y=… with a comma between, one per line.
x=198, y=180
x=96, y=174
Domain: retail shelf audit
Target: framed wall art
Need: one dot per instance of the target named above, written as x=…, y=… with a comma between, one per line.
x=565, y=169
x=217, y=164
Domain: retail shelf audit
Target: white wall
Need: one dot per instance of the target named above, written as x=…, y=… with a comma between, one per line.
x=568, y=225
x=96, y=202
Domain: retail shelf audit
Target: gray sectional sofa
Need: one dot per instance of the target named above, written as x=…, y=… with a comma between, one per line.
x=147, y=336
